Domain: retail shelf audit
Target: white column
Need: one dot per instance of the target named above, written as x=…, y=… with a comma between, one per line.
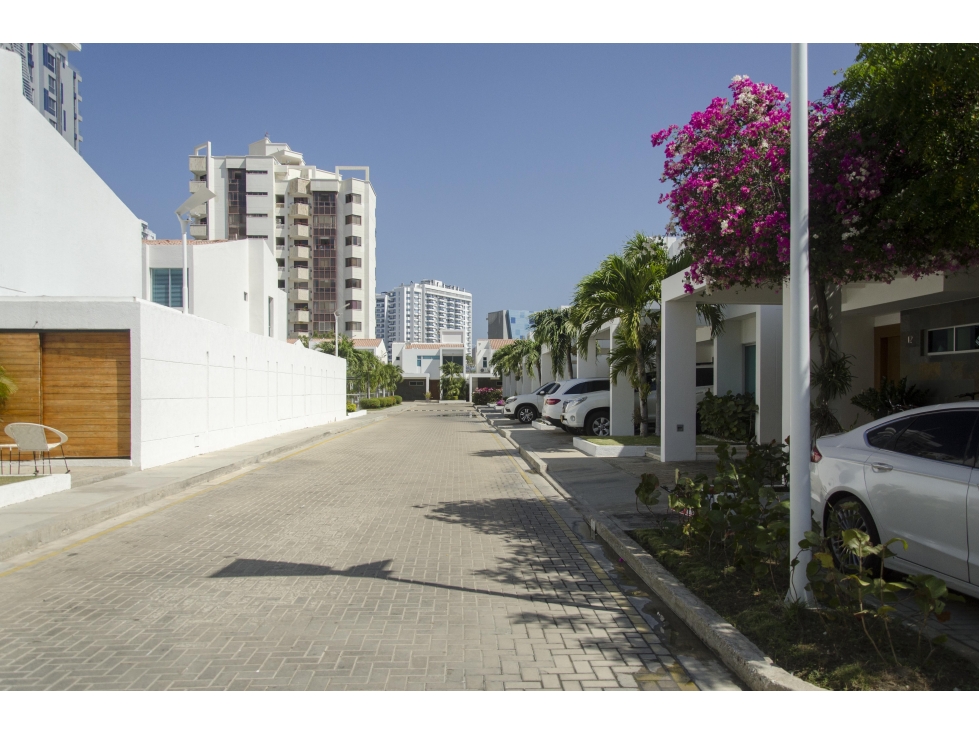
x=768, y=373
x=786, y=361
x=621, y=400
x=588, y=366
x=799, y=448
x=678, y=404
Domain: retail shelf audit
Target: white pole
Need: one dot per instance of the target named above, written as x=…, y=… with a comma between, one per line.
x=183, y=270
x=799, y=448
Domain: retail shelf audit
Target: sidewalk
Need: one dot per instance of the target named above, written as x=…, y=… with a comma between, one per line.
x=102, y=493
x=608, y=485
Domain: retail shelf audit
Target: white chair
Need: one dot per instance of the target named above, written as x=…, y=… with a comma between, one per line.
x=32, y=437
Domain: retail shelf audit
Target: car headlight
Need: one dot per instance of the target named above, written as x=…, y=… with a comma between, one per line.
x=577, y=401
x=510, y=400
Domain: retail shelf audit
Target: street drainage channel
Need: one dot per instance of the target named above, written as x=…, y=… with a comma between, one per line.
x=698, y=662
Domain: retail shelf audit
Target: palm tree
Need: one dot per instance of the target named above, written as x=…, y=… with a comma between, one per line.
x=555, y=328
x=509, y=359
x=624, y=287
x=389, y=376
x=452, y=381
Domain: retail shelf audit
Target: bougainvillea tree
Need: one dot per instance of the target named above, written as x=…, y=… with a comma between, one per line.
x=729, y=169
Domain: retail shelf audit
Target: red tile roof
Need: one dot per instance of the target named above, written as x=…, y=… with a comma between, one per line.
x=367, y=342
x=497, y=343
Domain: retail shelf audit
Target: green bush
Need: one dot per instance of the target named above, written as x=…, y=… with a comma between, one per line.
x=397, y=400
x=893, y=397
x=351, y=407
x=728, y=416
x=375, y=403
x=369, y=403
x=487, y=395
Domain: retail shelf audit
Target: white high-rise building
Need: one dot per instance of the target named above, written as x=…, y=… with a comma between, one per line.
x=418, y=312
x=50, y=83
x=319, y=226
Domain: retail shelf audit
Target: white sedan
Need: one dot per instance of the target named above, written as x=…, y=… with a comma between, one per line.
x=911, y=475
x=526, y=408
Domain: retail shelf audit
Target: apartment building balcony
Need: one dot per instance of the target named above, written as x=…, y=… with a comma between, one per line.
x=301, y=252
x=280, y=253
x=282, y=273
x=299, y=317
x=299, y=231
x=299, y=210
x=299, y=273
x=299, y=294
x=299, y=186
x=198, y=164
x=198, y=231
x=196, y=186
x=199, y=211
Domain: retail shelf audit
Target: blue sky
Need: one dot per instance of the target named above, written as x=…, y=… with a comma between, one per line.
x=508, y=170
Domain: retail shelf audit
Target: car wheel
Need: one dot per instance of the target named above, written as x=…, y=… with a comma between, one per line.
x=598, y=423
x=526, y=414
x=849, y=513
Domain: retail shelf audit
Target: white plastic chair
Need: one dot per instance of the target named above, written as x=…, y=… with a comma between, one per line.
x=32, y=437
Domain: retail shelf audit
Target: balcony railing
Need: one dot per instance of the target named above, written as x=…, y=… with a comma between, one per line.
x=299, y=317
x=299, y=230
x=198, y=231
x=198, y=164
x=196, y=186
x=300, y=252
x=300, y=273
x=300, y=294
x=299, y=186
x=299, y=210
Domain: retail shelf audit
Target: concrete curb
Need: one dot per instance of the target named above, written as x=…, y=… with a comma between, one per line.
x=30, y=537
x=739, y=653
x=594, y=449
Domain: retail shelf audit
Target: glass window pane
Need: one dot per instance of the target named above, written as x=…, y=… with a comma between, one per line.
x=967, y=337
x=940, y=436
x=176, y=286
x=160, y=286
x=939, y=340
x=883, y=436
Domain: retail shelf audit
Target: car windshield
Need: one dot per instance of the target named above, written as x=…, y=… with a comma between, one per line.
x=546, y=389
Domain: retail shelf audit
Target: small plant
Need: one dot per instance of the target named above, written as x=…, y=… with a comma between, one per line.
x=930, y=595
x=891, y=398
x=648, y=491
x=428, y=396
x=351, y=407
x=487, y=395
x=730, y=417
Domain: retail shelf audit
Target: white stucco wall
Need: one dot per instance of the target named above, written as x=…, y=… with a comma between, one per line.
x=63, y=232
x=197, y=385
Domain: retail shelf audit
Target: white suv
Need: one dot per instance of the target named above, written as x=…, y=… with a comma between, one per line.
x=570, y=390
x=526, y=408
x=589, y=414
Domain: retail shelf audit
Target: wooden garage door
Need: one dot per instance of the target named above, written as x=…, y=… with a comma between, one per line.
x=20, y=356
x=86, y=392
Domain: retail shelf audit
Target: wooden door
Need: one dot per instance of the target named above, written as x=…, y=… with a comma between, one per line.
x=85, y=388
x=20, y=356
x=887, y=354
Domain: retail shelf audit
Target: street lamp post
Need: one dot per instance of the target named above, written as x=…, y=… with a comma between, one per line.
x=799, y=388
x=201, y=196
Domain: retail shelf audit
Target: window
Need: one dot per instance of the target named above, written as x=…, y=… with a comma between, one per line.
x=705, y=376
x=236, y=204
x=280, y=220
x=750, y=369
x=52, y=85
x=258, y=215
x=353, y=241
x=50, y=104
x=943, y=436
x=353, y=326
x=941, y=340
x=954, y=339
x=966, y=338
x=256, y=173
x=355, y=305
x=49, y=59
x=883, y=436
x=280, y=199
x=419, y=361
x=352, y=219
x=485, y=362
x=545, y=390
x=353, y=198
x=167, y=287
x=257, y=193
x=416, y=383
x=353, y=283
x=353, y=262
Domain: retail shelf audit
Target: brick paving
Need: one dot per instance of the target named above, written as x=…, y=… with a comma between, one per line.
x=412, y=554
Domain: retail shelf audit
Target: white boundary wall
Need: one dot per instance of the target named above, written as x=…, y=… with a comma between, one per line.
x=197, y=385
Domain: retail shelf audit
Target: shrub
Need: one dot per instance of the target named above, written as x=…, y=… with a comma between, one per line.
x=369, y=403
x=428, y=396
x=487, y=395
x=728, y=416
x=891, y=398
x=397, y=400
x=351, y=407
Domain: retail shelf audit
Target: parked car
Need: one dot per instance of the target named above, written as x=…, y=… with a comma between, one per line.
x=526, y=408
x=589, y=414
x=569, y=390
x=911, y=475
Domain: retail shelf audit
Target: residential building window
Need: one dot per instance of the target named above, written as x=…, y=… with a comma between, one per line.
x=50, y=104
x=280, y=220
x=353, y=326
x=353, y=198
x=236, y=204
x=49, y=59
x=354, y=241
x=954, y=339
x=256, y=172
x=280, y=199
x=52, y=85
x=419, y=361
x=353, y=283
x=484, y=362
x=352, y=219
x=354, y=262
x=258, y=193
x=355, y=305
x=167, y=287
x=256, y=215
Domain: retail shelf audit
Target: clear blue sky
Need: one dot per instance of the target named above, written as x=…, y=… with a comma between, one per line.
x=508, y=170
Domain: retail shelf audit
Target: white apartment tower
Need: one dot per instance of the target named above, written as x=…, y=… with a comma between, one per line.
x=417, y=312
x=319, y=226
x=50, y=83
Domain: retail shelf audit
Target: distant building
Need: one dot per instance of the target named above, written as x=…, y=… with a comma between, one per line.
x=50, y=83
x=418, y=312
x=508, y=324
x=148, y=234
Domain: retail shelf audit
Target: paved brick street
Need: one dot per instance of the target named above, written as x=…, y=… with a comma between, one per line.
x=409, y=554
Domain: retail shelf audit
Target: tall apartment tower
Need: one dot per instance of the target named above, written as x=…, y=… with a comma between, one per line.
x=508, y=324
x=319, y=226
x=417, y=312
x=51, y=85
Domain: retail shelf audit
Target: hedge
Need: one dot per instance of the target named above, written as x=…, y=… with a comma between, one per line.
x=374, y=403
